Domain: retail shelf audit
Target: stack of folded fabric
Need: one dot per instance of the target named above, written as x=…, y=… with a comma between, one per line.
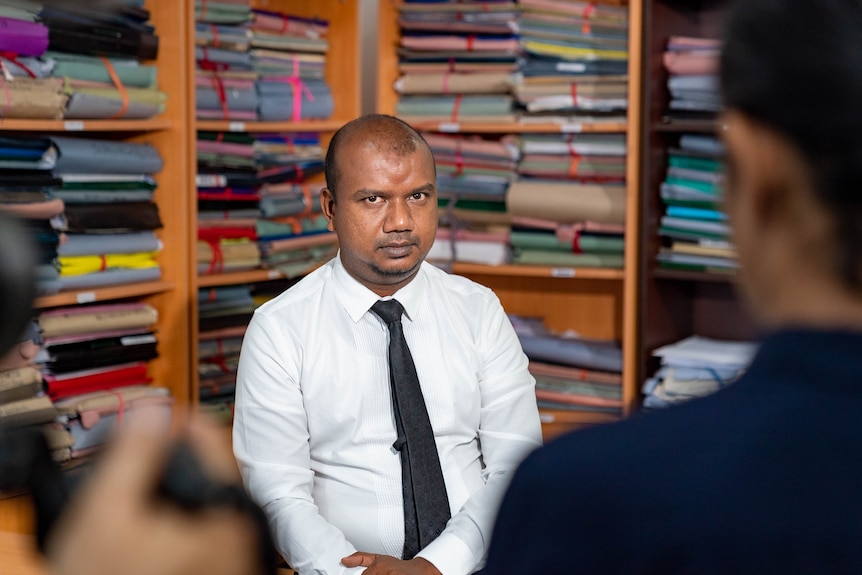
x=572, y=373
x=99, y=192
x=96, y=348
x=88, y=420
x=695, y=367
x=259, y=65
x=457, y=61
x=110, y=216
x=568, y=209
x=289, y=55
x=26, y=195
x=692, y=67
x=79, y=62
x=22, y=401
x=252, y=187
x=694, y=230
x=473, y=176
x=576, y=60
x=224, y=77
x=224, y=315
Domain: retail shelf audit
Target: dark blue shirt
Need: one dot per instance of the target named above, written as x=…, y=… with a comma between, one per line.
x=762, y=477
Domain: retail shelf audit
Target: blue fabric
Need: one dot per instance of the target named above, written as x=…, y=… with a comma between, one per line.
x=762, y=477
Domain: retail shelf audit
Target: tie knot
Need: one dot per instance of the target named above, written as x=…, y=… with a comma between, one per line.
x=389, y=311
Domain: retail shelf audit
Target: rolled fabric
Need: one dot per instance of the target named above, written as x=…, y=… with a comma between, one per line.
x=568, y=202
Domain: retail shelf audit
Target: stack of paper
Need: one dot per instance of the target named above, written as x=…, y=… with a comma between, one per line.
x=694, y=230
x=457, y=61
x=692, y=66
x=695, y=367
x=252, y=187
x=22, y=401
x=576, y=59
x=568, y=209
x=259, y=65
x=572, y=373
x=473, y=176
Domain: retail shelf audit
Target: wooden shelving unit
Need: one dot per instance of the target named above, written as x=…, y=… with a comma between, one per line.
x=103, y=294
x=592, y=302
x=675, y=303
x=343, y=76
x=169, y=132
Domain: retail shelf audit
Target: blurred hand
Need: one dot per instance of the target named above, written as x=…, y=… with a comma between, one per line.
x=386, y=565
x=114, y=524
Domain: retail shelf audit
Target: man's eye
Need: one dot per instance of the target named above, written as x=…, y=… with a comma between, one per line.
x=371, y=199
x=418, y=195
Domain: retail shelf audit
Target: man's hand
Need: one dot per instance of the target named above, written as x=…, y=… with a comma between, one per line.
x=386, y=565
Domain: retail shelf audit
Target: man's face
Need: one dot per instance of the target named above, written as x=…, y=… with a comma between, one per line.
x=385, y=214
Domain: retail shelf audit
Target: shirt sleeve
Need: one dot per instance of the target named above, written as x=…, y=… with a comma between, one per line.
x=509, y=430
x=270, y=442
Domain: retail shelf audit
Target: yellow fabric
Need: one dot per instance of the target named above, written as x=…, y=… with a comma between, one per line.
x=574, y=53
x=80, y=265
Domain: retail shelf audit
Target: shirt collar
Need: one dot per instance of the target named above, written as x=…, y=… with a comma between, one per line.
x=358, y=299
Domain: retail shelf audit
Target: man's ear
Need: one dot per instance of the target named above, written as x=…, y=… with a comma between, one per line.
x=762, y=164
x=327, y=206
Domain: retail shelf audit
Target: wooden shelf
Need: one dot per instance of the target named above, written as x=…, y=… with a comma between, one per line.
x=538, y=271
x=303, y=126
x=151, y=125
x=521, y=127
x=683, y=275
x=103, y=294
x=704, y=126
x=233, y=278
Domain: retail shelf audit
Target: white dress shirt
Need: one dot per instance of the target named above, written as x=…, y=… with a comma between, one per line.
x=314, y=427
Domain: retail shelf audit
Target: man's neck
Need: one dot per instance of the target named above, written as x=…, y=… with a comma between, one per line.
x=815, y=303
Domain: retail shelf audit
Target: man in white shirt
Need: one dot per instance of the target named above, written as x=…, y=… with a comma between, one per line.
x=314, y=426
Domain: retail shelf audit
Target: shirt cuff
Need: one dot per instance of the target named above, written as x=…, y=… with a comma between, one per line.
x=450, y=555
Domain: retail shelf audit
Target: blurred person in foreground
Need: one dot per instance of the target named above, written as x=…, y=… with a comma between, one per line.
x=764, y=476
x=116, y=524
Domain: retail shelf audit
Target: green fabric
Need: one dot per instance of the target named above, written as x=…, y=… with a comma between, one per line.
x=92, y=69
x=693, y=204
x=705, y=187
x=589, y=244
x=546, y=258
x=701, y=164
x=474, y=205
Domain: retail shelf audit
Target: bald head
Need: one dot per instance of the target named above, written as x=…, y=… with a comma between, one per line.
x=387, y=134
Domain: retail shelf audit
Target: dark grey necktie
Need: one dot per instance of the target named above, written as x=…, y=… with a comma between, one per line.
x=426, y=504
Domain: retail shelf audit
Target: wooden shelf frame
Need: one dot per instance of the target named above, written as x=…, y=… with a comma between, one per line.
x=675, y=303
x=342, y=75
x=588, y=302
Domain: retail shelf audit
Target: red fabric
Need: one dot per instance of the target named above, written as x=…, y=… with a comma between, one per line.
x=134, y=374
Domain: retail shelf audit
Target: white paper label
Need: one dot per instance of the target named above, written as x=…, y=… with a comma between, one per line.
x=572, y=127
x=236, y=127
x=571, y=67
x=137, y=339
x=273, y=274
x=562, y=272
x=449, y=127
x=73, y=125
x=86, y=297
x=546, y=417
